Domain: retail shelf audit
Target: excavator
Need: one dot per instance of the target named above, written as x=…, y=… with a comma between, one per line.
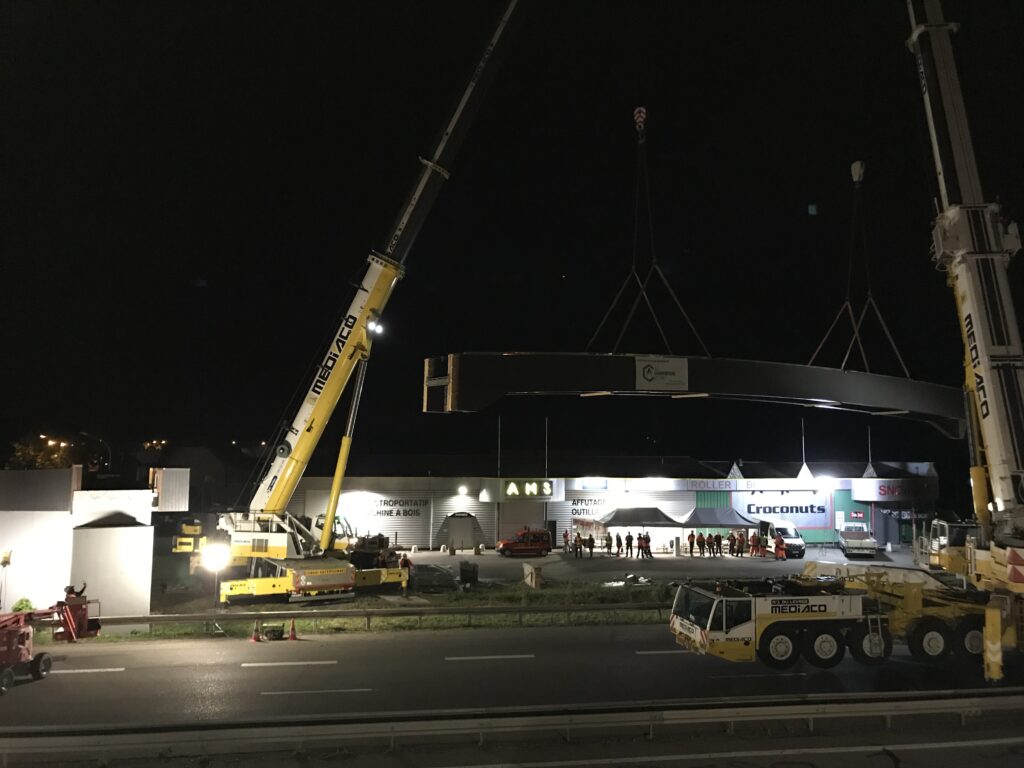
x=321, y=558
x=972, y=245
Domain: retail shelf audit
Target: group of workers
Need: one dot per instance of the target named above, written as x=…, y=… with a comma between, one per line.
x=579, y=543
x=757, y=545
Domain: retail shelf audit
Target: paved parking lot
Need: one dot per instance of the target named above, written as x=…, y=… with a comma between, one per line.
x=562, y=567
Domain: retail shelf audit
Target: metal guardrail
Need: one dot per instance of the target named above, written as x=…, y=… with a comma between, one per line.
x=301, y=734
x=368, y=614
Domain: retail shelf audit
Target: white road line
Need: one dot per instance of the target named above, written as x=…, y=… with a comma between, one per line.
x=656, y=653
x=84, y=671
x=870, y=749
x=303, y=693
x=489, y=658
x=288, y=663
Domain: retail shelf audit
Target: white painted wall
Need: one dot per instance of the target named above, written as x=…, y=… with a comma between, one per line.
x=92, y=505
x=117, y=563
x=41, y=543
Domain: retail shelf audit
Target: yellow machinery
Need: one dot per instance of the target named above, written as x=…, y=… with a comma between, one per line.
x=826, y=611
x=972, y=245
x=304, y=559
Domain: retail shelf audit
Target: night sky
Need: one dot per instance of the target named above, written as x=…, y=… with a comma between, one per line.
x=190, y=188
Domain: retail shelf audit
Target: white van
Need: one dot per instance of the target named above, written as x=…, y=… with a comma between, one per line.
x=795, y=546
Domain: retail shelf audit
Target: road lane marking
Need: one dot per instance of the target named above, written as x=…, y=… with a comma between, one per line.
x=657, y=653
x=303, y=693
x=84, y=671
x=490, y=658
x=288, y=663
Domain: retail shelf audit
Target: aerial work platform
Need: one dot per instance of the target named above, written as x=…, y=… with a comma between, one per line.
x=472, y=381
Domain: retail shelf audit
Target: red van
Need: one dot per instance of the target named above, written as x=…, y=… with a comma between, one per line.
x=526, y=543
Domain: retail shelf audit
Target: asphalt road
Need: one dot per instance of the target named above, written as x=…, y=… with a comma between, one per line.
x=175, y=681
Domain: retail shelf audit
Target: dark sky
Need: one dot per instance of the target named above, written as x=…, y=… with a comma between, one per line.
x=189, y=188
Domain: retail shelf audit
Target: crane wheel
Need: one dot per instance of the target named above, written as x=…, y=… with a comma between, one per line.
x=969, y=637
x=824, y=648
x=869, y=648
x=41, y=666
x=779, y=647
x=931, y=640
x=6, y=680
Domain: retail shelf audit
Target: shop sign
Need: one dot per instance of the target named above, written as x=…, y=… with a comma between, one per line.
x=905, y=489
x=414, y=507
x=661, y=374
x=804, y=509
x=527, y=489
x=587, y=507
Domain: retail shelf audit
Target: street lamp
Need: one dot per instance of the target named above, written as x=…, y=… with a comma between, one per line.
x=215, y=558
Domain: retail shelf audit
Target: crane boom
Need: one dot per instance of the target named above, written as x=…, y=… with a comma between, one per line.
x=351, y=344
x=973, y=244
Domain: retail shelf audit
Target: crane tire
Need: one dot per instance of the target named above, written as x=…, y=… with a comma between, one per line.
x=930, y=640
x=867, y=648
x=824, y=647
x=969, y=637
x=779, y=647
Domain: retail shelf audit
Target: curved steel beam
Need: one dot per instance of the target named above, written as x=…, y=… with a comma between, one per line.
x=472, y=381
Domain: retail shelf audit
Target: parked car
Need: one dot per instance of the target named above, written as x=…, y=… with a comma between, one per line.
x=856, y=539
x=526, y=543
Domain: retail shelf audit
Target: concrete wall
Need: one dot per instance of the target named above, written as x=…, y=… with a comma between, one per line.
x=118, y=565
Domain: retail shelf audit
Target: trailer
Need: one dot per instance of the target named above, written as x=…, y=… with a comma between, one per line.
x=820, y=615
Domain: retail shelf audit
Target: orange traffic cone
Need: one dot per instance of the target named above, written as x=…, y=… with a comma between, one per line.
x=255, y=632
x=291, y=632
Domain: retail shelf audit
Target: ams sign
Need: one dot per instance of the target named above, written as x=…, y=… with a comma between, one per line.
x=526, y=489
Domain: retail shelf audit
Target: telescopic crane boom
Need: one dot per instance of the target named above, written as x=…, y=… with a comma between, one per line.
x=350, y=347
x=973, y=244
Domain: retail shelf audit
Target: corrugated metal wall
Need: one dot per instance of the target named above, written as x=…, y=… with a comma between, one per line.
x=675, y=504
x=714, y=499
x=515, y=515
x=485, y=512
x=172, y=488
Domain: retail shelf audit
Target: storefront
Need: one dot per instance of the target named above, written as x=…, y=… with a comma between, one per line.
x=412, y=510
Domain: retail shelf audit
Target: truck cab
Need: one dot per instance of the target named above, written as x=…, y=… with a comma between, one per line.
x=778, y=622
x=717, y=624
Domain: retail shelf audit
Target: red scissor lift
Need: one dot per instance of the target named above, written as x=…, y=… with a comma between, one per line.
x=70, y=620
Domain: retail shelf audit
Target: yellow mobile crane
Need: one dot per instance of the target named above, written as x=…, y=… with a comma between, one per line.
x=307, y=560
x=972, y=244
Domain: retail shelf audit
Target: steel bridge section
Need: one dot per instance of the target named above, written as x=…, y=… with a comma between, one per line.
x=472, y=381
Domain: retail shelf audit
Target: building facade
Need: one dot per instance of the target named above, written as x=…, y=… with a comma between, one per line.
x=411, y=510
